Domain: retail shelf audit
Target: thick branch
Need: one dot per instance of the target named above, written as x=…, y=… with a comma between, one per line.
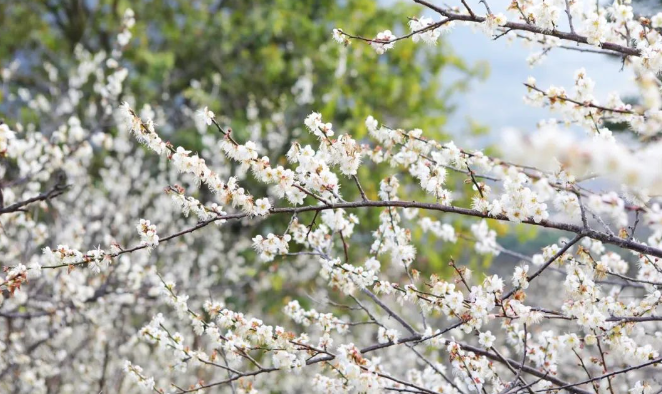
x=579, y=230
x=574, y=37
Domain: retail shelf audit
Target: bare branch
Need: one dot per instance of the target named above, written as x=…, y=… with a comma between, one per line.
x=52, y=193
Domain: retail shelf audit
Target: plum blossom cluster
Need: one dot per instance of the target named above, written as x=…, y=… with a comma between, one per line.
x=339, y=37
x=325, y=321
x=493, y=22
x=64, y=256
x=189, y=204
x=184, y=162
x=315, y=239
x=137, y=373
x=283, y=180
x=313, y=175
x=391, y=237
x=359, y=370
x=486, y=238
x=428, y=166
x=387, y=335
x=429, y=36
x=147, y=232
x=428, y=161
x=583, y=108
x=15, y=278
x=343, y=152
x=474, y=369
x=391, y=319
x=347, y=277
x=271, y=246
x=518, y=202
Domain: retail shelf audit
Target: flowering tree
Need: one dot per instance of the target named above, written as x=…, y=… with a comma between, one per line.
x=167, y=303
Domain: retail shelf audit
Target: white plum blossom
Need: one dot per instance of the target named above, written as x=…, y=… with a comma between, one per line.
x=383, y=42
x=262, y=206
x=492, y=22
x=206, y=115
x=147, y=232
x=486, y=339
x=520, y=278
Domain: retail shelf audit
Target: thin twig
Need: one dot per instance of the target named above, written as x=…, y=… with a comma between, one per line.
x=358, y=185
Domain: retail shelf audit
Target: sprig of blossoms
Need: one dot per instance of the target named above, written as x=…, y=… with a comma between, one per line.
x=326, y=321
x=340, y=37
x=137, y=374
x=228, y=193
x=189, y=204
x=316, y=126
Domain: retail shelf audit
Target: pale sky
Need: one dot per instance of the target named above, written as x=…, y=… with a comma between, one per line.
x=497, y=101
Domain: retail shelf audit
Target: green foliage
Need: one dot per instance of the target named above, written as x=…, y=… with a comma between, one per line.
x=259, y=49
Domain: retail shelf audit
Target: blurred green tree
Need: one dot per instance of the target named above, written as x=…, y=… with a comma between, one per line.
x=274, y=55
